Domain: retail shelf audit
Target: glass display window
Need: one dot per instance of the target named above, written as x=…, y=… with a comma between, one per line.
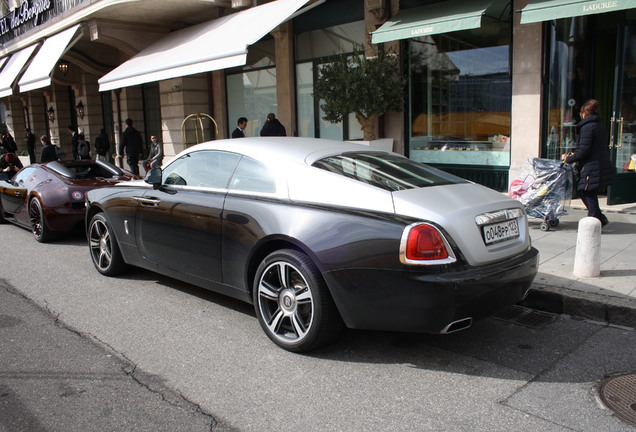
x=460, y=96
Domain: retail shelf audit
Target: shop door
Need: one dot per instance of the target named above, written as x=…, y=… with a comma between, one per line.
x=623, y=125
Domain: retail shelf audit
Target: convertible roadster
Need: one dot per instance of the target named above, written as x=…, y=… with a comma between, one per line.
x=49, y=198
x=317, y=234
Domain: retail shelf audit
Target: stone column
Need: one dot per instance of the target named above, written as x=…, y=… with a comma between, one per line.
x=285, y=77
x=526, y=91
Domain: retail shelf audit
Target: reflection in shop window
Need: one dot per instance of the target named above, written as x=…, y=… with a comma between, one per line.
x=461, y=96
x=566, y=78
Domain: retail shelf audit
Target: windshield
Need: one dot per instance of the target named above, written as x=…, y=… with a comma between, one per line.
x=386, y=171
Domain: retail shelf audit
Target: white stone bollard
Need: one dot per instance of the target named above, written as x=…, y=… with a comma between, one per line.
x=587, y=258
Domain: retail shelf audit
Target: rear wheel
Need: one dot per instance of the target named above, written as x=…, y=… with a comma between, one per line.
x=38, y=225
x=103, y=246
x=292, y=302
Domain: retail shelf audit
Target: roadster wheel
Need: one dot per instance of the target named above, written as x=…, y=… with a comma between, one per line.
x=38, y=225
x=292, y=302
x=103, y=246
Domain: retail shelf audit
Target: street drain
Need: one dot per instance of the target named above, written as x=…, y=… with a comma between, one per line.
x=525, y=316
x=619, y=394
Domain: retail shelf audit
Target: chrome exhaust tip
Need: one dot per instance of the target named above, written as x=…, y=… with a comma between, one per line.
x=458, y=325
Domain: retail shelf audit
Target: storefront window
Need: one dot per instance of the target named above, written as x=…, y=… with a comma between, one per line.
x=460, y=97
x=314, y=48
x=566, y=80
x=251, y=90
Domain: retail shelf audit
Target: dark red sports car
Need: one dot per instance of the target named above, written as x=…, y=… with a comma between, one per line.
x=49, y=198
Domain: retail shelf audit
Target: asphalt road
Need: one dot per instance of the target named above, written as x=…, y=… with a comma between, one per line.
x=83, y=352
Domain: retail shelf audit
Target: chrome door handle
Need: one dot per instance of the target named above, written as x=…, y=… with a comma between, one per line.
x=152, y=201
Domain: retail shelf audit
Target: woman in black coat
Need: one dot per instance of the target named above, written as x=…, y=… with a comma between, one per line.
x=593, y=159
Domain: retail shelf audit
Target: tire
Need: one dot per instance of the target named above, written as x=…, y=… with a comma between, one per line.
x=105, y=252
x=292, y=302
x=38, y=224
x=545, y=226
x=554, y=222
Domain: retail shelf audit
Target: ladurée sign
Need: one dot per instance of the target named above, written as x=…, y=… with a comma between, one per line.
x=29, y=11
x=600, y=6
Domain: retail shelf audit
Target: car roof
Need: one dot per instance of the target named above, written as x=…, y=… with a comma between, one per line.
x=294, y=150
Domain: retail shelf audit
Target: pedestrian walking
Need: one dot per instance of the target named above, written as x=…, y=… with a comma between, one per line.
x=102, y=145
x=132, y=144
x=592, y=157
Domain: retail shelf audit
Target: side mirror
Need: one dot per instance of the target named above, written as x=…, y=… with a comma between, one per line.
x=154, y=177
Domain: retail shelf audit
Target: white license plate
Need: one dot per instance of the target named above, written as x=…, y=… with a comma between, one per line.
x=501, y=231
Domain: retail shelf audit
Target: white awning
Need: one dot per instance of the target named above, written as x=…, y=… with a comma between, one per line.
x=38, y=74
x=13, y=68
x=3, y=60
x=218, y=44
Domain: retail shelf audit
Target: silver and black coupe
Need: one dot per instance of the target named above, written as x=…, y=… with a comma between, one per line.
x=318, y=234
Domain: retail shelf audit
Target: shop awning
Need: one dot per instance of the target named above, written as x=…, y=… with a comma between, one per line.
x=12, y=69
x=38, y=74
x=547, y=10
x=432, y=19
x=218, y=44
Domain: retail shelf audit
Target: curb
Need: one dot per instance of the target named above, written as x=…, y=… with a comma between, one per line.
x=614, y=310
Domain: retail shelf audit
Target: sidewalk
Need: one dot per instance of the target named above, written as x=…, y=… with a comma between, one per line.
x=611, y=297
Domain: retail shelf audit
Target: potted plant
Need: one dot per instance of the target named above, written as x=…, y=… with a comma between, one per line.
x=365, y=86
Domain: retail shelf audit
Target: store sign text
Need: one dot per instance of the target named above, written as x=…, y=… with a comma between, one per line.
x=600, y=6
x=29, y=11
x=422, y=31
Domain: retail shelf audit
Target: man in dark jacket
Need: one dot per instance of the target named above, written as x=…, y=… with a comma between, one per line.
x=132, y=142
x=29, y=138
x=593, y=159
x=239, y=132
x=273, y=127
x=102, y=145
x=74, y=140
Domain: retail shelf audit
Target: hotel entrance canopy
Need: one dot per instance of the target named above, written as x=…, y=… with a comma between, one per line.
x=219, y=44
x=12, y=69
x=38, y=74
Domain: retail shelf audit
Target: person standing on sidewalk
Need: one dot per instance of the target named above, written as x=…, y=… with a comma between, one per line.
x=131, y=141
x=29, y=138
x=102, y=145
x=593, y=159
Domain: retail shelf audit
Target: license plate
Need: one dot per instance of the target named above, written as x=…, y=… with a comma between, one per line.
x=501, y=231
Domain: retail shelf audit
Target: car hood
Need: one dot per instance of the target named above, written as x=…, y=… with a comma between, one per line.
x=454, y=208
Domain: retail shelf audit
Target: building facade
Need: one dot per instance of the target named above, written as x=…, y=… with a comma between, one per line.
x=490, y=83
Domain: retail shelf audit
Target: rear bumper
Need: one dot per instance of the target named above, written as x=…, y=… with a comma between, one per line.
x=408, y=300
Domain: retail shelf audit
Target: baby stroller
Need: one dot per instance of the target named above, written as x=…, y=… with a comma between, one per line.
x=545, y=190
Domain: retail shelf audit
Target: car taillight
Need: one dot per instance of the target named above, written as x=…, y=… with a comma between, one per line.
x=424, y=244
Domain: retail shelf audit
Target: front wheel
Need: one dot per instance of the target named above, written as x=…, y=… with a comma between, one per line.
x=292, y=302
x=103, y=246
x=38, y=224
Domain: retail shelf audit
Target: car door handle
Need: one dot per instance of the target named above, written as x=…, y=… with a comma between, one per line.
x=150, y=201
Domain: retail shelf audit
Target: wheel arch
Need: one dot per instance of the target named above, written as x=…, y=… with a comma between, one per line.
x=272, y=244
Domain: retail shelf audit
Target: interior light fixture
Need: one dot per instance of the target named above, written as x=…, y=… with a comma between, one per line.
x=63, y=66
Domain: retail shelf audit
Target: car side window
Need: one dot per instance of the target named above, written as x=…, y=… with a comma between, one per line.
x=252, y=176
x=205, y=168
x=23, y=175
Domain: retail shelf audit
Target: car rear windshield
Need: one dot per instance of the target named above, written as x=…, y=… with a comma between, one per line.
x=386, y=171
